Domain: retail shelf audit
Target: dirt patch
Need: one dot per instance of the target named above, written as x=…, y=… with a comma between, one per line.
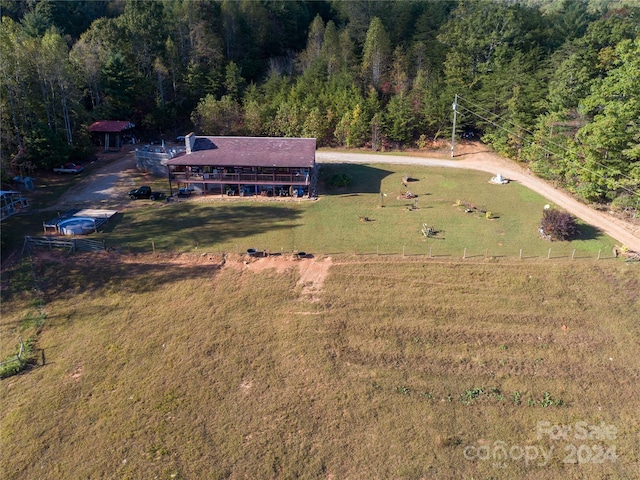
x=313, y=271
x=312, y=276
x=76, y=374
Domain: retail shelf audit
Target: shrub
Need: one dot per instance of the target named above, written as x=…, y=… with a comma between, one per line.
x=558, y=225
x=339, y=180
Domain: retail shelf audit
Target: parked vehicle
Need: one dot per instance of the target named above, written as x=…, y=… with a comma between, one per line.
x=140, y=192
x=69, y=168
x=184, y=192
x=145, y=192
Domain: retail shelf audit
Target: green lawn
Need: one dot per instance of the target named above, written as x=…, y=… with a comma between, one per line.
x=336, y=222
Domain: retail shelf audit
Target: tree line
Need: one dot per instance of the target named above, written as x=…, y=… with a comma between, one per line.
x=553, y=83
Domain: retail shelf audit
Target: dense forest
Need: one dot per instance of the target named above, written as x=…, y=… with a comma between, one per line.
x=554, y=83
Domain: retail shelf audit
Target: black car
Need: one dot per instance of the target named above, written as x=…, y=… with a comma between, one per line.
x=140, y=192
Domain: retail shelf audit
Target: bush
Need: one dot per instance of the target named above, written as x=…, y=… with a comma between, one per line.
x=339, y=180
x=558, y=225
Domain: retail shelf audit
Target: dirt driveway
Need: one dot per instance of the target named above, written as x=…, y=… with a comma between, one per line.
x=106, y=186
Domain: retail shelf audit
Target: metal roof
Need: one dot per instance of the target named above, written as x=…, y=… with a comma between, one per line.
x=249, y=152
x=110, y=126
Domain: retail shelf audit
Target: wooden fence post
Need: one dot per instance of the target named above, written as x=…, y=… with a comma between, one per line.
x=549, y=254
x=153, y=246
x=464, y=254
x=520, y=254
x=573, y=254
x=599, y=254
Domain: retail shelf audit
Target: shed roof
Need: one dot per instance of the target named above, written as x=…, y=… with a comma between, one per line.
x=110, y=126
x=249, y=152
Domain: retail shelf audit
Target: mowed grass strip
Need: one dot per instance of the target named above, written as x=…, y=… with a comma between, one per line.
x=173, y=368
x=361, y=219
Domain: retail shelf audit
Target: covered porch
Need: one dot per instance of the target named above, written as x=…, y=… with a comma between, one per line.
x=243, y=181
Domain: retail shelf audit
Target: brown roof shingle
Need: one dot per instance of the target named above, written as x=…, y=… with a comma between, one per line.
x=250, y=152
x=110, y=126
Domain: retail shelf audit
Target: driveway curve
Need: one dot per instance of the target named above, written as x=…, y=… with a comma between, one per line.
x=486, y=161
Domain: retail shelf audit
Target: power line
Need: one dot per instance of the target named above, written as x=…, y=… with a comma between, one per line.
x=501, y=117
x=604, y=177
x=606, y=167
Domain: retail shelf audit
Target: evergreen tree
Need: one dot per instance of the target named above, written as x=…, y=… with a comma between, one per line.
x=612, y=139
x=398, y=120
x=119, y=88
x=376, y=54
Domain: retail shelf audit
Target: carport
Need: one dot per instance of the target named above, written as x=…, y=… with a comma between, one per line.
x=112, y=130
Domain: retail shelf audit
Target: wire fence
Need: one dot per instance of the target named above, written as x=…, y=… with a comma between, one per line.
x=15, y=359
x=486, y=254
x=430, y=252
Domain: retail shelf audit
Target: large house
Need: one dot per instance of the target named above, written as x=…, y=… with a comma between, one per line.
x=244, y=166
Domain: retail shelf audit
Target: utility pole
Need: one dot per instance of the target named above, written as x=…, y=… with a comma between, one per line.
x=453, y=134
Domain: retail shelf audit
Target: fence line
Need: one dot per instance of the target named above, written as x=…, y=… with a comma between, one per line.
x=82, y=244
x=404, y=252
x=71, y=244
x=17, y=358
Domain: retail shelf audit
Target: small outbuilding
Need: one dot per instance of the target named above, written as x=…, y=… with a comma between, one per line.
x=113, y=131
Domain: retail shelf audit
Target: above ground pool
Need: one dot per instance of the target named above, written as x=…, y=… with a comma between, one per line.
x=77, y=226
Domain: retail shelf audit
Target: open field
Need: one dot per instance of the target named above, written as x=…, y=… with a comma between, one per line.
x=181, y=367
x=191, y=364
x=359, y=219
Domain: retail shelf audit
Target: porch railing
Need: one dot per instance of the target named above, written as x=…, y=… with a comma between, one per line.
x=276, y=178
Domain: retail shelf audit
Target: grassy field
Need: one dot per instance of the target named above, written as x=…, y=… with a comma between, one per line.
x=185, y=364
x=178, y=367
x=359, y=219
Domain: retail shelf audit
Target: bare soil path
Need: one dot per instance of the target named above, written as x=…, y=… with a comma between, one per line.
x=478, y=157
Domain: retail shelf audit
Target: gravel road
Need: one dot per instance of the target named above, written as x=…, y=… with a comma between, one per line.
x=105, y=187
